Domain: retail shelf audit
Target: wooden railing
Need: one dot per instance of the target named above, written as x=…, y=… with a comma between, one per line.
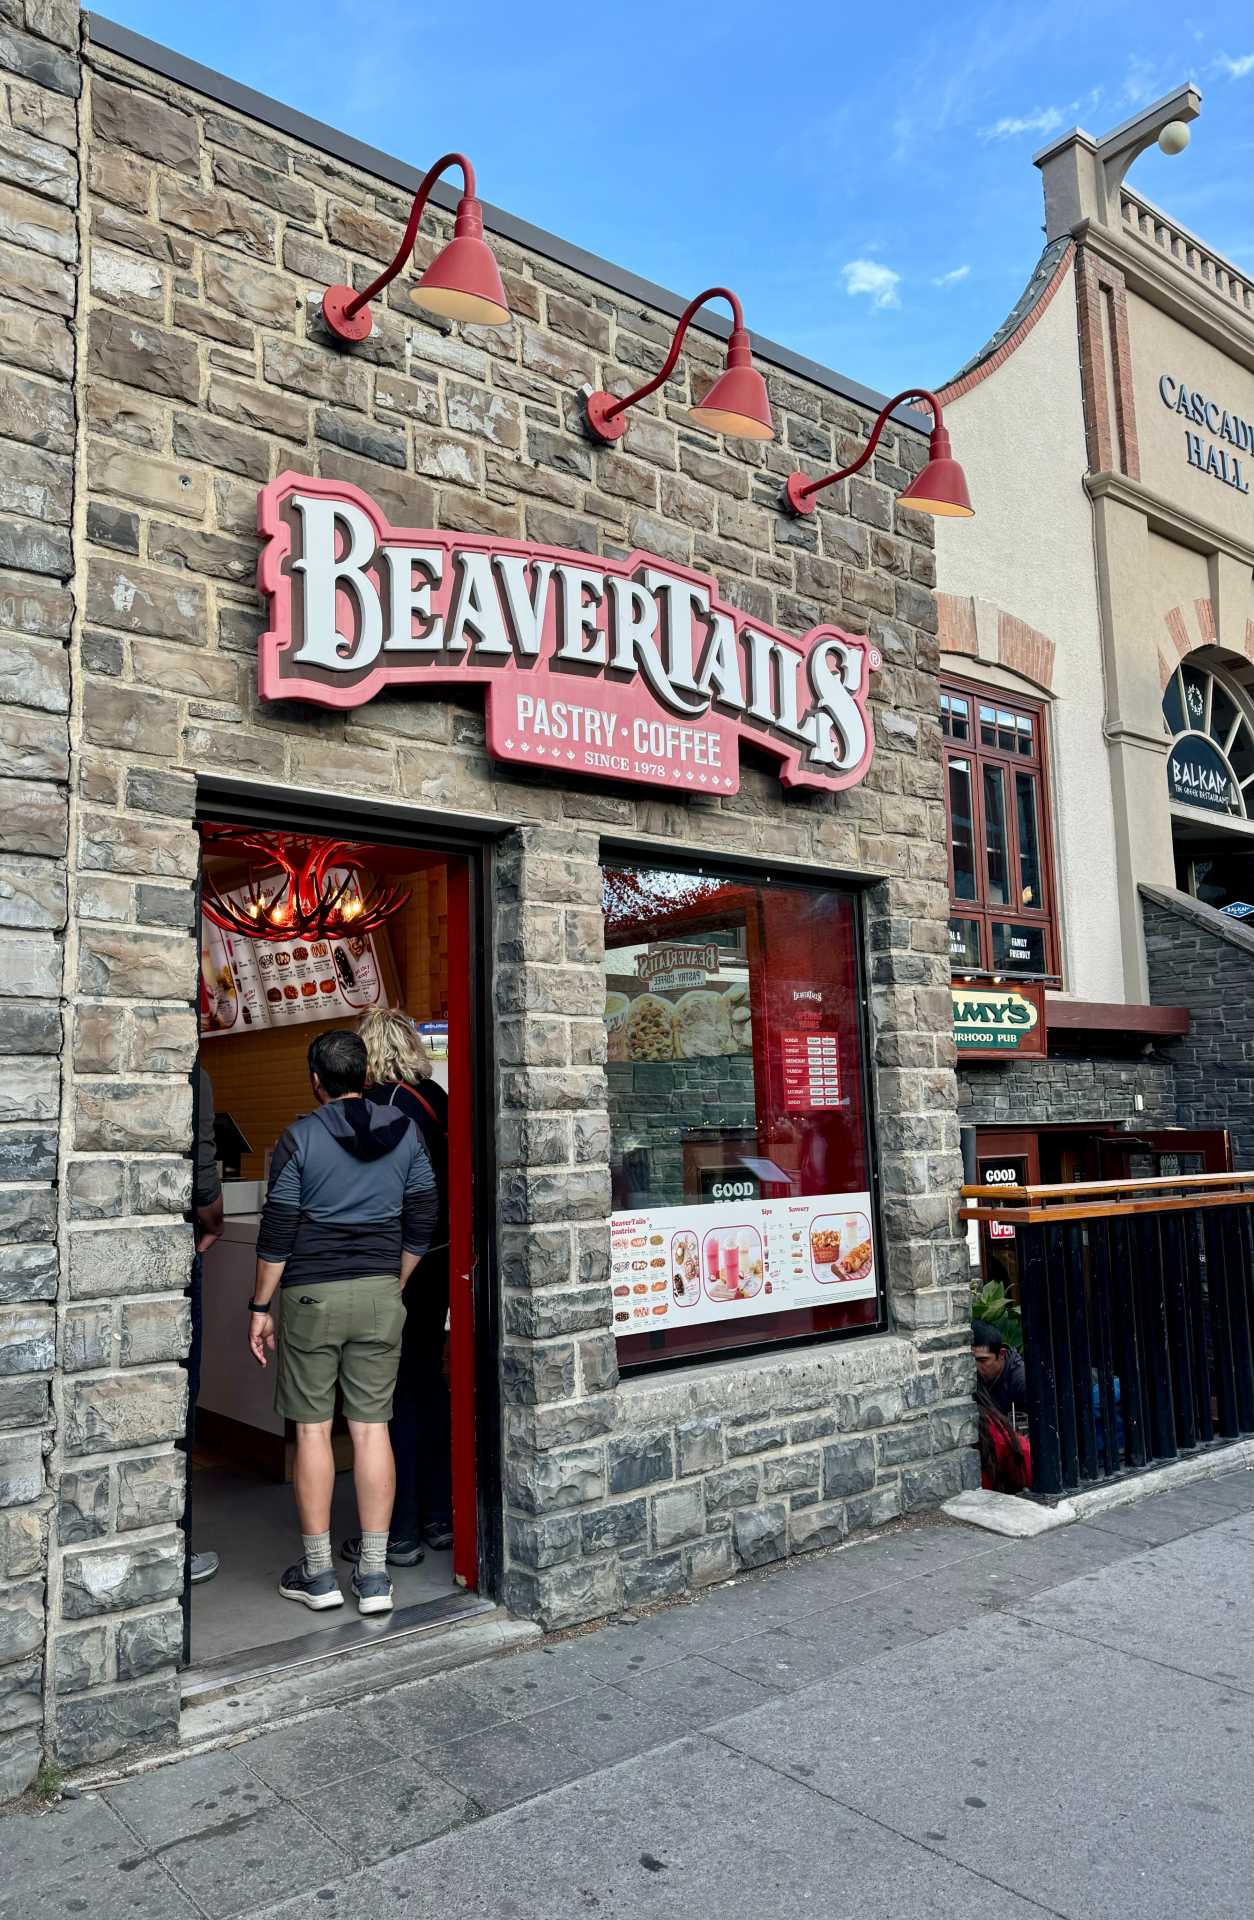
x=1137, y=1299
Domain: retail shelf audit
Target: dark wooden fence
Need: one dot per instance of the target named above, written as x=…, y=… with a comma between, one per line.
x=1137, y=1299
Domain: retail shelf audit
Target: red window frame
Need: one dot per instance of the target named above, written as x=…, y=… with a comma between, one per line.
x=1008, y=761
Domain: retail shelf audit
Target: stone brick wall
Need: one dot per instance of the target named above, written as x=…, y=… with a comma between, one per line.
x=39, y=250
x=1077, y=1088
x=1200, y=959
x=205, y=373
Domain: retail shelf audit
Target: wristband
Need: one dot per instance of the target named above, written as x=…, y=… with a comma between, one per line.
x=254, y=1308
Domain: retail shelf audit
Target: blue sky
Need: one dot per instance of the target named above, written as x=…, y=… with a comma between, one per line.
x=862, y=177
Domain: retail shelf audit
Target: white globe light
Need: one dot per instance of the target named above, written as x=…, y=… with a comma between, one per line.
x=1174, y=137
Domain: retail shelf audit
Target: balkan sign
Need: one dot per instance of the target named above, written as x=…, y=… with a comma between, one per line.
x=999, y=1020
x=1198, y=774
x=1222, y=462
x=626, y=670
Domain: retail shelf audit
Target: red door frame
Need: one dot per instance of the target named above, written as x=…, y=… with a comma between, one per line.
x=461, y=1344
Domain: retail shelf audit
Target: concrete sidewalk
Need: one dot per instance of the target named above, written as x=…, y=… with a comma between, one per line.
x=931, y=1723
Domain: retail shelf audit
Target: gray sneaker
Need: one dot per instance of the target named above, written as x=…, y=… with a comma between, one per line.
x=373, y=1591
x=204, y=1566
x=316, y=1590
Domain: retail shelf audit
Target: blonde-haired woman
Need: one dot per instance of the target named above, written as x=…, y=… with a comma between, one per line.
x=399, y=1074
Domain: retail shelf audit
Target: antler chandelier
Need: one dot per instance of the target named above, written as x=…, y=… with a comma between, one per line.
x=320, y=891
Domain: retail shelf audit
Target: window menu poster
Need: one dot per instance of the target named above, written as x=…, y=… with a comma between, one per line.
x=671, y=1266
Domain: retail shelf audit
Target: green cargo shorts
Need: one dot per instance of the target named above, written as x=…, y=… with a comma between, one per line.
x=344, y=1333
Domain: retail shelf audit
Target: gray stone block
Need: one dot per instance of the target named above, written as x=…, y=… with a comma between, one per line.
x=824, y=1524
x=639, y=1460
x=660, y=1577
x=125, y=1410
x=151, y=1491
x=678, y=1515
x=27, y=1339
x=84, y=1508
x=607, y=1528
x=730, y=1488
x=564, y=1479
x=149, y=1641
x=112, y=1260
x=698, y=1445
x=21, y=1468
x=94, y=1726
x=848, y=1467
x=28, y=1272
x=22, y=1543
x=20, y=1755
x=82, y=1658
x=108, y=1579
x=761, y=1533
x=21, y=1619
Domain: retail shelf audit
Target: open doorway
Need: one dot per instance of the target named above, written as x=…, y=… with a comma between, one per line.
x=300, y=934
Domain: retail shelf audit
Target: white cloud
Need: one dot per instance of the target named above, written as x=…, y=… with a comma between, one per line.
x=1235, y=69
x=1140, y=84
x=1044, y=120
x=951, y=278
x=873, y=278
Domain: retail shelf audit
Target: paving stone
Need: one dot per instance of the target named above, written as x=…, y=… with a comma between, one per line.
x=78, y=1858
x=314, y=1753
x=696, y=1692
x=192, y=1796
x=250, y=1859
x=515, y=1763
x=387, y=1810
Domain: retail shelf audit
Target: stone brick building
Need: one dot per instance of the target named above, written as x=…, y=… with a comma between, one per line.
x=165, y=241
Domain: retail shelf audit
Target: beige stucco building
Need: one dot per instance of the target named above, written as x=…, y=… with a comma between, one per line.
x=1097, y=618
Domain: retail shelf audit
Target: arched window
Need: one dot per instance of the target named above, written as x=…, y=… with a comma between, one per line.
x=1211, y=763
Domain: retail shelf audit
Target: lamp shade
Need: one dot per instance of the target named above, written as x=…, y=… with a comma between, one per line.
x=941, y=488
x=737, y=403
x=463, y=282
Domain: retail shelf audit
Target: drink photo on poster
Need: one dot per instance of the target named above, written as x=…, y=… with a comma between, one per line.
x=733, y=1263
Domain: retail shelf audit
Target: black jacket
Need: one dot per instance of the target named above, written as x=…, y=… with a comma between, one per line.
x=430, y=1116
x=350, y=1186
x=1009, y=1392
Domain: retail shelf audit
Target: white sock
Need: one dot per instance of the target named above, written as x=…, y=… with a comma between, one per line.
x=317, y=1552
x=374, y=1553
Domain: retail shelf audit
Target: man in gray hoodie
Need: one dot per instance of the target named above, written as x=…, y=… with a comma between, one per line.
x=349, y=1212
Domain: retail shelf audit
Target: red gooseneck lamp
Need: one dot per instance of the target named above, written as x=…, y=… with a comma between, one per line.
x=735, y=405
x=463, y=282
x=941, y=488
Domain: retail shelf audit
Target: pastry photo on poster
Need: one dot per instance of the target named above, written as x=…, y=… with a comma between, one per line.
x=677, y=1000
x=688, y=1265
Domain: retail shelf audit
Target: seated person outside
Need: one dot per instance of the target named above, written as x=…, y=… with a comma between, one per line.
x=1005, y=1459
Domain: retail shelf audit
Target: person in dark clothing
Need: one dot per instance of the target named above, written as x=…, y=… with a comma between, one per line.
x=399, y=1078
x=207, y=1207
x=349, y=1212
x=1000, y=1369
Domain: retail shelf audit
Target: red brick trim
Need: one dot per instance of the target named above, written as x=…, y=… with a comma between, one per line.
x=1181, y=639
x=965, y=382
x=1102, y=312
x=957, y=623
x=1020, y=648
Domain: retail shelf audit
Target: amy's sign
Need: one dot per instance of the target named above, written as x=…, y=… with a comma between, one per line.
x=999, y=1020
x=627, y=670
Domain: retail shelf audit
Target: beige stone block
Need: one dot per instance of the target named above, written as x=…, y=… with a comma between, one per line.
x=196, y=437
x=563, y=361
x=120, y=1116
x=37, y=280
x=139, y=966
x=32, y=892
x=41, y=342
x=162, y=1039
x=29, y=1090
x=260, y=407
x=249, y=291
x=34, y=817
x=406, y=501
x=33, y=605
x=34, y=411
x=273, y=188
x=138, y=600
x=129, y=118
x=33, y=483
x=316, y=372
x=152, y=483
x=209, y=553
x=33, y=746
x=396, y=393
x=30, y=965
x=175, y=669
x=124, y=229
x=227, y=221
x=116, y=177
x=362, y=232
x=443, y=459
x=142, y=355
x=49, y=115
x=106, y=1261
x=210, y=325
x=126, y=415
x=99, y=1036
x=115, y=843
x=40, y=225
x=323, y=763
x=155, y=1330
x=129, y=718
x=232, y=747
x=128, y=280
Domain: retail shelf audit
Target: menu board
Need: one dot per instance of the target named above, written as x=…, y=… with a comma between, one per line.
x=672, y=1266
x=249, y=985
x=811, y=1063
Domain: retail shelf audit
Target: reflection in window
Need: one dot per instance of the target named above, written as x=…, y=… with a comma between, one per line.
x=1029, y=840
x=962, y=829
x=998, y=873
x=964, y=943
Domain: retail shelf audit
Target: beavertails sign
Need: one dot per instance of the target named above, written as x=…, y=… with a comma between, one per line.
x=625, y=670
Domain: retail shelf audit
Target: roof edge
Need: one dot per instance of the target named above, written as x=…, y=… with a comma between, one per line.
x=1043, y=283
x=113, y=38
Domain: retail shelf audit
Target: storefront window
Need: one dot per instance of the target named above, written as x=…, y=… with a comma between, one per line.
x=739, y=1155
x=998, y=836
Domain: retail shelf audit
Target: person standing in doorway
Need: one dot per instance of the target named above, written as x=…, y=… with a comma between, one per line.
x=349, y=1213
x=207, y=1207
x=399, y=1079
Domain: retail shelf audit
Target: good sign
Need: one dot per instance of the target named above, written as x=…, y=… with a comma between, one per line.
x=628, y=670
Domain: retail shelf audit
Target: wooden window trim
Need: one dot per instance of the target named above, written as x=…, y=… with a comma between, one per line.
x=980, y=910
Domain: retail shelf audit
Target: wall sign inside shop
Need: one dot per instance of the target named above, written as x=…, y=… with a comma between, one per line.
x=670, y=966
x=1230, y=435
x=626, y=670
x=811, y=1064
x=1198, y=774
x=999, y=1020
